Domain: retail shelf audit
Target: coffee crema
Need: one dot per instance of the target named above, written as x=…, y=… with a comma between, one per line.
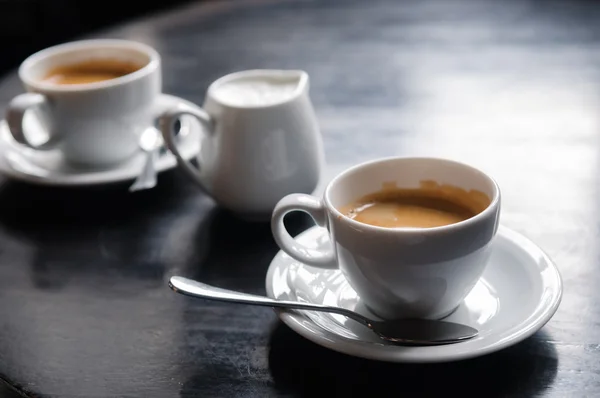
x=91, y=71
x=430, y=205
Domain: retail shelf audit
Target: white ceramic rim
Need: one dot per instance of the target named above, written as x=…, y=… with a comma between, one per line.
x=303, y=82
x=535, y=321
x=44, y=54
x=494, y=203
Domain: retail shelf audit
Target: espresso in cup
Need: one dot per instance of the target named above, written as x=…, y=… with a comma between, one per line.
x=95, y=98
x=380, y=215
x=430, y=205
x=90, y=71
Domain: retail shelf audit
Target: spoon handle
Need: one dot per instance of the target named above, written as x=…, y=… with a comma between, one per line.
x=193, y=288
x=147, y=178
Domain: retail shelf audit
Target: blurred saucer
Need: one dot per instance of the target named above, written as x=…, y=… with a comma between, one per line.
x=49, y=167
x=518, y=293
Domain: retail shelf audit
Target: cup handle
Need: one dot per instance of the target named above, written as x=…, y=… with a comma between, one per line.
x=315, y=208
x=166, y=121
x=16, y=112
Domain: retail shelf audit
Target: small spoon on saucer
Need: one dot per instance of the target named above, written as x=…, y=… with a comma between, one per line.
x=414, y=332
x=150, y=142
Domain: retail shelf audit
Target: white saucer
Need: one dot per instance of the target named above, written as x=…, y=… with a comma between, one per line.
x=519, y=292
x=49, y=168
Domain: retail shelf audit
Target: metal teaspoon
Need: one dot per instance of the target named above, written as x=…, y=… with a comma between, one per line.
x=150, y=142
x=416, y=332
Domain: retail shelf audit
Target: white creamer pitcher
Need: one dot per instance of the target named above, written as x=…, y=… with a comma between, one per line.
x=261, y=140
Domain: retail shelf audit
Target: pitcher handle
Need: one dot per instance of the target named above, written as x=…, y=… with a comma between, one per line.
x=166, y=122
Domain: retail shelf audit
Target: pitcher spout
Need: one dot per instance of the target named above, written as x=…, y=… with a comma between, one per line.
x=296, y=78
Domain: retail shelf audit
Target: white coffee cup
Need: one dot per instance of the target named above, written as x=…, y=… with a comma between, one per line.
x=93, y=124
x=398, y=272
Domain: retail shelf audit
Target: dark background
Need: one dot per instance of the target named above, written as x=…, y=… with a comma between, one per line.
x=27, y=26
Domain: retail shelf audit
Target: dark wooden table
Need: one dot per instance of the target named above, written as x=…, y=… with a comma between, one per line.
x=512, y=87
